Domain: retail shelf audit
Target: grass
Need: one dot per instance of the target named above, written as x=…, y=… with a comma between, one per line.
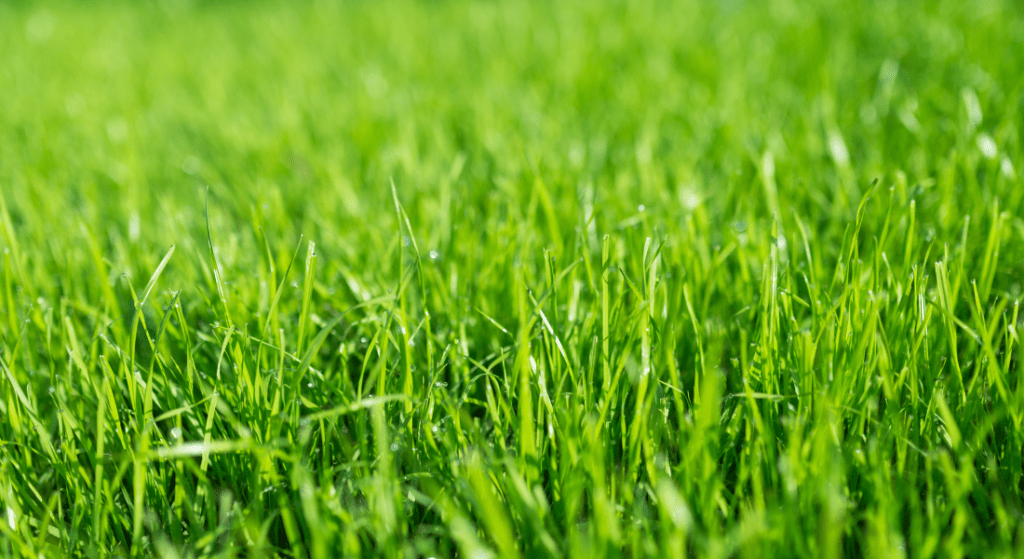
x=523, y=279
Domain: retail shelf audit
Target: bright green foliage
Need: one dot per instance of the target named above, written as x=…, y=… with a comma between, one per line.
x=521, y=279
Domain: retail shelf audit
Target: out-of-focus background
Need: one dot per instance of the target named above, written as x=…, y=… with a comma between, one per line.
x=297, y=116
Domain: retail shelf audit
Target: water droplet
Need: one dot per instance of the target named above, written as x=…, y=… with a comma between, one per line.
x=987, y=146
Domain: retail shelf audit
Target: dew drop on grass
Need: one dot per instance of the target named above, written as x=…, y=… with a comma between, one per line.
x=987, y=146
x=175, y=433
x=1006, y=167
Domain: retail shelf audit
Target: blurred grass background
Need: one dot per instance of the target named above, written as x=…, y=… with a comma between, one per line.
x=116, y=112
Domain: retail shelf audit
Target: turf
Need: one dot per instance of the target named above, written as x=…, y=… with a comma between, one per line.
x=520, y=279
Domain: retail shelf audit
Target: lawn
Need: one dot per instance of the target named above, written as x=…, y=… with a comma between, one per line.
x=460, y=278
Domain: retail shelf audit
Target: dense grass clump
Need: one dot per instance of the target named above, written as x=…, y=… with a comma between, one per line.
x=518, y=279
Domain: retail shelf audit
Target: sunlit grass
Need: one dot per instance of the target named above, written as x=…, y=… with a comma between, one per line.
x=472, y=279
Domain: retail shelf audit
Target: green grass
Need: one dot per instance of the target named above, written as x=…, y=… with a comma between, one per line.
x=474, y=279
